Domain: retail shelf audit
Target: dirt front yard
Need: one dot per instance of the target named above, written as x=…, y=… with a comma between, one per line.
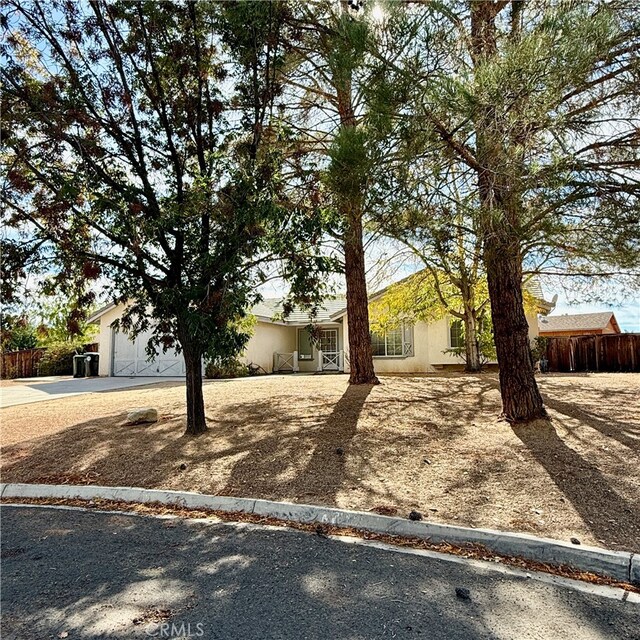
x=431, y=443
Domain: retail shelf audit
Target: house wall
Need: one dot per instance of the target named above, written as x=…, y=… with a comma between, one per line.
x=430, y=341
x=267, y=339
x=105, y=338
x=568, y=334
x=532, y=321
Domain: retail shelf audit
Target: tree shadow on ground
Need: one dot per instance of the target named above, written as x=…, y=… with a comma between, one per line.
x=356, y=446
x=625, y=433
x=325, y=469
x=94, y=575
x=608, y=515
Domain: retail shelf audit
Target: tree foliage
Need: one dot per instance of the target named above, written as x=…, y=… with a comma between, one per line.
x=140, y=152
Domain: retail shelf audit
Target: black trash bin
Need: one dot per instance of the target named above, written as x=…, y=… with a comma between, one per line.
x=79, y=366
x=92, y=360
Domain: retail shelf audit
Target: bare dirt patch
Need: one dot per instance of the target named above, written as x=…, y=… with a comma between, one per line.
x=427, y=443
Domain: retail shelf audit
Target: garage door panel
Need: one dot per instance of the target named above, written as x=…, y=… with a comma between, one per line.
x=130, y=358
x=124, y=367
x=160, y=367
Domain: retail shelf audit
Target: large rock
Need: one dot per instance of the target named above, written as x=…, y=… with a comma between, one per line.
x=142, y=415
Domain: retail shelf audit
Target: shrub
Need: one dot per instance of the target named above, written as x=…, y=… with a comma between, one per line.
x=58, y=359
x=226, y=368
x=539, y=347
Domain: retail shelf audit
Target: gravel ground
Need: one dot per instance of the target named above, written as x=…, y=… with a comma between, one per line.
x=430, y=443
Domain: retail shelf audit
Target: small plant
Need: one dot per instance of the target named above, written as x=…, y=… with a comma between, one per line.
x=226, y=368
x=539, y=347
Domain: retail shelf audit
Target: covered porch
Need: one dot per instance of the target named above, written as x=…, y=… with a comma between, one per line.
x=320, y=349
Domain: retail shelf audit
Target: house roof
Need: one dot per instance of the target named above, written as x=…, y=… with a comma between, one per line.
x=332, y=309
x=270, y=308
x=577, y=322
x=100, y=312
x=532, y=285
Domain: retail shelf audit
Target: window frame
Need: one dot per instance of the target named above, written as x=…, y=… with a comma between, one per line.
x=460, y=336
x=406, y=342
x=304, y=357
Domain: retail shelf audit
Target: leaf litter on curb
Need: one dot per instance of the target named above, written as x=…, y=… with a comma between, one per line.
x=470, y=550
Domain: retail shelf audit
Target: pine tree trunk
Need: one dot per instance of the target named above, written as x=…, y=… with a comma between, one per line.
x=498, y=179
x=196, y=421
x=521, y=399
x=360, y=352
x=472, y=348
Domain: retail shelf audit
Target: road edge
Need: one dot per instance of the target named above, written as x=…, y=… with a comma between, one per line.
x=618, y=565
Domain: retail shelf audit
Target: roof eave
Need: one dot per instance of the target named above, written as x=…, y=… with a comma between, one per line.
x=100, y=312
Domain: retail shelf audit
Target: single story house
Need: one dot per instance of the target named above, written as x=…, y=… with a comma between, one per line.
x=579, y=324
x=280, y=345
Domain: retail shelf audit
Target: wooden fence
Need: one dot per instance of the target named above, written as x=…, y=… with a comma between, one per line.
x=619, y=352
x=21, y=364
x=24, y=363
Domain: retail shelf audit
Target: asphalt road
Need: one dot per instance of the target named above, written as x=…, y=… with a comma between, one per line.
x=72, y=574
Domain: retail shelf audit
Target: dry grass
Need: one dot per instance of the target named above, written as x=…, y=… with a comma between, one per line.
x=429, y=443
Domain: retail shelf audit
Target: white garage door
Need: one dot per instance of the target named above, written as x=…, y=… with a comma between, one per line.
x=130, y=358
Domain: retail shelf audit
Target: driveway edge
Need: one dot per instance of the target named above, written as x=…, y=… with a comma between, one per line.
x=619, y=565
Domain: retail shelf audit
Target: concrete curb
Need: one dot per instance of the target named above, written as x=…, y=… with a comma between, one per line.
x=619, y=565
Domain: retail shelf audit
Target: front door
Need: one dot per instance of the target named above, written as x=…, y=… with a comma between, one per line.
x=328, y=344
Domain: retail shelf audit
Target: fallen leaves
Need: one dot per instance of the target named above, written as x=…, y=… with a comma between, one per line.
x=475, y=551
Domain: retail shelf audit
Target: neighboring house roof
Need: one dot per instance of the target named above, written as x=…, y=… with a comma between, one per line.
x=578, y=322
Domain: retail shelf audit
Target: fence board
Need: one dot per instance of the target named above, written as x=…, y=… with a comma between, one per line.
x=619, y=352
x=21, y=364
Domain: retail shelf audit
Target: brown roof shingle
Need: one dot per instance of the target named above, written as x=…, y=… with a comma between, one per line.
x=576, y=322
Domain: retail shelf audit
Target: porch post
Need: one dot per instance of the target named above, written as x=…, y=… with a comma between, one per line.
x=319, y=360
x=275, y=362
x=295, y=367
x=341, y=360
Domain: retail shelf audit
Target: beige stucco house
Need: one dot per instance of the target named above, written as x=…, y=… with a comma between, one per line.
x=288, y=345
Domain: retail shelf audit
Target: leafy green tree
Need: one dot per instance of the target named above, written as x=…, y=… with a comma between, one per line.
x=63, y=320
x=18, y=333
x=140, y=152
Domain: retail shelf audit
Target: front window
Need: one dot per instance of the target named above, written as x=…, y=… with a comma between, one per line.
x=389, y=343
x=456, y=334
x=305, y=345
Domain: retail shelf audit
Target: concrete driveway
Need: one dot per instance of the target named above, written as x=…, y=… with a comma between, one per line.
x=76, y=574
x=28, y=390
